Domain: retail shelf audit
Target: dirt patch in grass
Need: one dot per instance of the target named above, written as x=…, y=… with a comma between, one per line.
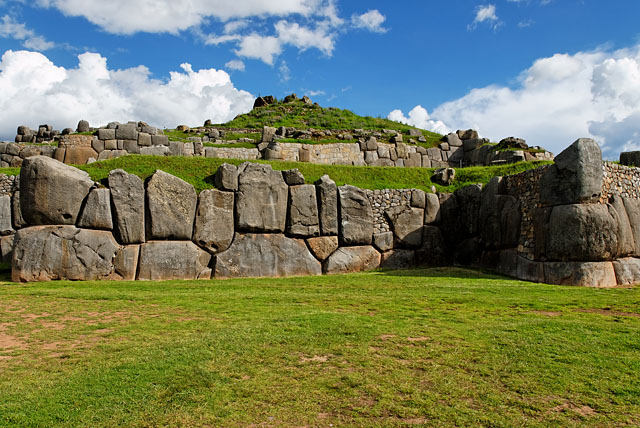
x=609, y=312
x=419, y=339
x=387, y=336
x=314, y=359
x=584, y=411
x=546, y=313
x=11, y=342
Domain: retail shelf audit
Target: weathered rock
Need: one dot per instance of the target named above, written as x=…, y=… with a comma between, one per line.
x=214, y=228
x=6, y=248
x=226, y=177
x=126, y=262
x=160, y=140
x=6, y=225
x=323, y=246
x=293, y=177
x=626, y=241
x=51, y=192
x=352, y=259
x=434, y=248
x=271, y=256
x=302, y=220
x=176, y=148
x=327, y=195
x=356, y=216
x=453, y=140
x=16, y=211
x=127, y=193
x=170, y=260
x=627, y=271
x=127, y=132
x=144, y=139
x=268, y=134
x=575, y=177
x=171, y=205
x=131, y=146
x=398, y=259
x=529, y=270
x=96, y=213
x=468, y=199
x=406, y=223
x=585, y=274
x=630, y=158
x=632, y=208
x=155, y=151
x=261, y=204
x=432, y=209
x=468, y=252
x=499, y=217
x=83, y=126
x=468, y=134
x=45, y=253
x=111, y=154
x=76, y=155
x=383, y=241
x=581, y=233
x=97, y=146
x=444, y=176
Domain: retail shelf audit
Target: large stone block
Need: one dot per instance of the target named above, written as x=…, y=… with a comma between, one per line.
x=432, y=209
x=499, y=217
x=585, y=274
x=576, y=175
x=581, y=233
x=214, y=227
x=434, y=249
x=126, y=262
x=398, y=259
x=327, y=194
x=627, y=271
x=261, y=204
x=172, y=206
x=6, y=248
x=632, y=208
x=226, y=177
x=127, y=132
x=127, y=193
x=352, y=259
x=272, y=255
x=626, y=241
x=323, y=246
x=356, y=216
x=302, y=220
x=6, y=225
x=406, y=223
x=45, y=253
x=383, y=241
x=96, y=213
x=51, y=192
x=170, y=260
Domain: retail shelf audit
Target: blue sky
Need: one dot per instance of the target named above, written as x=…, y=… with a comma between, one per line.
x=549, y=71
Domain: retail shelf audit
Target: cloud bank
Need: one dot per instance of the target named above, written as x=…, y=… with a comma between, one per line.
x=557, y=100
x=35, y=91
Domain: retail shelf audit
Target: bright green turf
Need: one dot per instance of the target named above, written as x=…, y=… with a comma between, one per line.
x=439, y=347
x=199, y=172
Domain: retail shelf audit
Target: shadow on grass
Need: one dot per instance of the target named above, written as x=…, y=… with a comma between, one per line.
x=445, y=272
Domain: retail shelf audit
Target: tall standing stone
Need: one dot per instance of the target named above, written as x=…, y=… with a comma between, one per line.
x=303, y=211
x=214, y=228
x=261, y=204
x=127, y=193
x=327, y=193
x=51, y=192
x=356, y=216
x=97, y=210
x=172, y=206
x=6, y=226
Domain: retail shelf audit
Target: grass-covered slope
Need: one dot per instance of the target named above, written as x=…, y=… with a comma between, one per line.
x=433, y=348
x=200, y=171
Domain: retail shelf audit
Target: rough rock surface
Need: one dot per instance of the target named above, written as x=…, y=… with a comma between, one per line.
x=432, y=209
x=168, y=260
x=434, y=249
x=51, y=192
x=627, y=271
x=127, y=193
x=581, y=233
x=444, y=176
x=356, y=216
x=626, y=241
x=6, y=226
x=261, y=200
x=576, y=175
x=214, y=228
x=171, y=204
x=585, y=274
x=632, y=208
x=406, y=223
x=383, y=241
x=352, y=259
x=398, y=259
x=303, y=211
x=323, y=246
x=6, y=248
x=327, y=193
x=126, y=262
x=44, y=253
x=96, y=213
x=226, y=177
x=293, y=177
x=272, y=255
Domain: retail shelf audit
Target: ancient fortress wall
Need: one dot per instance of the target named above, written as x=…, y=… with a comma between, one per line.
x=576, y=222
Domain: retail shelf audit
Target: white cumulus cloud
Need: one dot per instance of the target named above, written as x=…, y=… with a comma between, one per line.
x=10, y=28
x=235, y=64
x=485, y=14
x=371, y=20
x=419, y=117
x=34, y=91
x=559, y=99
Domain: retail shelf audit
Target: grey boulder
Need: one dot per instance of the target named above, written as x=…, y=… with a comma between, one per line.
x=170, y=260
x=96, y=213
x=627, y=271
x=323, y=246
x=45, y=253
x=327, y=193
x=127, y=193
x=6, y=225
x=352, y=259
x=51, y=192
x=261, y=204
x=226, y=177
x=356, y=216
x=272, y=255
x=172, y=206
x=214, y=227
x=303, y=211
x=406, y=223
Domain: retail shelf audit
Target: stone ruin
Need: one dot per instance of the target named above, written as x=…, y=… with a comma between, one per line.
x=357, y=147
x=576, y=222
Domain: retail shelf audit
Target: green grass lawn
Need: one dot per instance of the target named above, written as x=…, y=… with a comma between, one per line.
x=438, y=347
x=200, y=171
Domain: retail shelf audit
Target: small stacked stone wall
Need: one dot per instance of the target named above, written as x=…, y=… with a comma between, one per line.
x=620, y=180
x=382, y=201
